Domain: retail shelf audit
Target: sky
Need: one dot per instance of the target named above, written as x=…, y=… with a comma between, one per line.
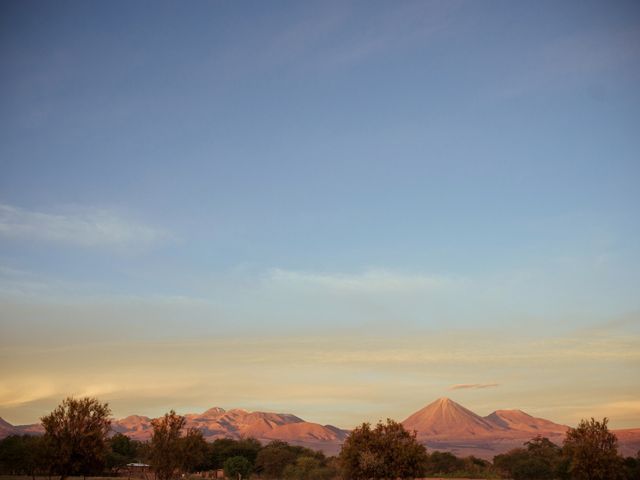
x=341, y=210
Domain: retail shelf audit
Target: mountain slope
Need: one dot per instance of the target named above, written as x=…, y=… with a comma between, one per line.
x=237, y=423
x=517, y=420
x=6, y=428
x=446, y=418
x=447, y=426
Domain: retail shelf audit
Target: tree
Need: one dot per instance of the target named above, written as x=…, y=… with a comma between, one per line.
x=166, y=451
x=76, y=431
x=632, y=467
x=194, y=450
x=274, y=458
x=541, y=459
x=237, y=467
x=224, y=448
x=23, y=455
x=308, y=468
x=442, y=463
x=592, y=451
x=122, y=451
x=386, y=452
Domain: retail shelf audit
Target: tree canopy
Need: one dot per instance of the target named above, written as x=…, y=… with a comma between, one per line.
x=237, y=467
x=166, y=455
x=592, y=451
x=76, y=432
x=387, y=451
x=122, y=450
x=540, y=459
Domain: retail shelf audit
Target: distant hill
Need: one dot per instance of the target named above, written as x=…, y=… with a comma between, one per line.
x=442, y=425
x=237, y=423
x=517, y=420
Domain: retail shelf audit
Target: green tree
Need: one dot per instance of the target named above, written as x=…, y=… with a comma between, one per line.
x=194, y=450
x=165, y=449
x=76, y=431
x=592, y=451
x=237, y=467
x=308, y=468
x=12, y=453
x=632, y=467
x=442, y=463
x=122, y=450
x=274, y=458
x=541, y=459
x=475, y=467
x=386, y=452
x=224, y=448
x=23, y=455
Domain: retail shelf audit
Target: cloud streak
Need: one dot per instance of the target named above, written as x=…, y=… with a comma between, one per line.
x=579, y=58
x=369, y=281
x=473, y=386
x=83, y=227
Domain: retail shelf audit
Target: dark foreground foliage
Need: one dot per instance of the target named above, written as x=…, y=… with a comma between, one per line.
x=589, y=452
x=385, y=451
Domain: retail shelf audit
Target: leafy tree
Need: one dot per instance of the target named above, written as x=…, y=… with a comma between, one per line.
x=442, y=463
x=386, y=452
x=165, y=448
x=274, y=458
x=76, y=431
x=194, y=450
x=23, y=455
x=308, y=468
x=541, y=459
x=592, y=451
x=36, y=456
x=11, y=455
x=122, y=451
x=540, y=446
x=237, y=467
x=474, y=466
x=631, y=467
x=144, y=451
x=224, y=448
x=508, y=462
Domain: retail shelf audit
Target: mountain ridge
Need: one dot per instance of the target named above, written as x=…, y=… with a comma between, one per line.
x=448, y=418
x=441, y=425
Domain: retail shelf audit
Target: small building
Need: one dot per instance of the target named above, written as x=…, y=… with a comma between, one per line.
x=138, y=470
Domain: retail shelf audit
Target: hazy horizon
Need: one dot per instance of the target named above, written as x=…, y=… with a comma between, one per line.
x=341, y=210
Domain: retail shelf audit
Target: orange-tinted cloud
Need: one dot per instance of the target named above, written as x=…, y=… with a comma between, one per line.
x=462, y=386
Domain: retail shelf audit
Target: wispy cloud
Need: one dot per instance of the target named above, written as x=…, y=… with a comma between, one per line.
x=369, y=281
x=339, y=34
x=465, y=386
x=578, y=58
x=85, y=227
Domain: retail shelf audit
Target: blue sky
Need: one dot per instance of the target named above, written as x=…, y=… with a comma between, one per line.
x=319, y=170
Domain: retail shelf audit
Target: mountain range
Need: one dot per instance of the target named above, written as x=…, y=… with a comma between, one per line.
x=442, y=425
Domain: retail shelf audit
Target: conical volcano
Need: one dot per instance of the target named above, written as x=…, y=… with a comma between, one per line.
x=444, y=417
